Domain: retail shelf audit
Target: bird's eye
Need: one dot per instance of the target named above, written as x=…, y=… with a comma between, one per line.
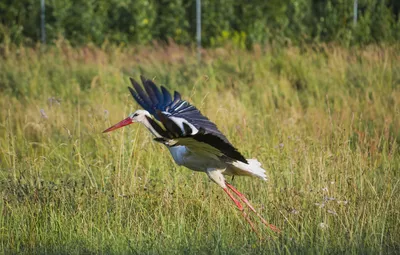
x=134, y=115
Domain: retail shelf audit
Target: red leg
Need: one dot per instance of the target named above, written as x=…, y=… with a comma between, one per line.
x=237, y=203
x=240, y=207
x=244, y=199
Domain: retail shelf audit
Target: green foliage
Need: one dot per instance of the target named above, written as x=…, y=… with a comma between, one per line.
x=323, y=121
x=171, y=21
x=244, y=23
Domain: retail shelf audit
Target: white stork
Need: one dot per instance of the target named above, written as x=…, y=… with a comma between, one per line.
x=193, y=140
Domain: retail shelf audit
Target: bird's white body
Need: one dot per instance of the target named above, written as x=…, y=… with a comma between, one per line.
x=197, y=162
x=183, y=156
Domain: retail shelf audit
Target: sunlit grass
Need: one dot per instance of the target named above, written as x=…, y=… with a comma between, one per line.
x=324, y=122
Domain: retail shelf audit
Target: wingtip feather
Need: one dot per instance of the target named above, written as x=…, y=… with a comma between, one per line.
x=143, y=78
x=139, y=95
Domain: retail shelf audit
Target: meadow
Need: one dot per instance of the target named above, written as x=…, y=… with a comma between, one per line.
x=323, y=120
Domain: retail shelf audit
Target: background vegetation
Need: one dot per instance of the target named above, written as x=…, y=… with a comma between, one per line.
x=241, y=22
x=324, y=121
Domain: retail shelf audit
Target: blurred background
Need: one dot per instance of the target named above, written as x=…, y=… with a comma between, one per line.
x=243, y=23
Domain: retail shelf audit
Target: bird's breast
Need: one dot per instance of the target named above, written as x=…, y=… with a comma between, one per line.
x=178, y=153
x=195, y=161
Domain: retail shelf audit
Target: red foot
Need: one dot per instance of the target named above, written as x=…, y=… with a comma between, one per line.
x=244, y=199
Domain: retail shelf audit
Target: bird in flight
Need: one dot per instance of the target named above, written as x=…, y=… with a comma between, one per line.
x=192, y=139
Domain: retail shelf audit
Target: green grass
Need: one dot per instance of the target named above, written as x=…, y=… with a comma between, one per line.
x=325, y=123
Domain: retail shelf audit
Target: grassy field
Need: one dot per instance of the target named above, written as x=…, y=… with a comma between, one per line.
x=324, y=121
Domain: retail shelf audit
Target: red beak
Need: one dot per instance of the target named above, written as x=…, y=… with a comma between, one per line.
x=120, y=124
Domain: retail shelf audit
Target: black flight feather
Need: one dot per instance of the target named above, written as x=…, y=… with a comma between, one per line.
x=157, y=93
x=138, y=99
x=167, y=97
x=149, y=89
x=141, y=94
x=216, y=142
x=177, y=99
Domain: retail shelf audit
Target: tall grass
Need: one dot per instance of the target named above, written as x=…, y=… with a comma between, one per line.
x=325, y=123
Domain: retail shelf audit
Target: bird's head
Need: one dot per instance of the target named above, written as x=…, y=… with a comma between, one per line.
x=138, y=116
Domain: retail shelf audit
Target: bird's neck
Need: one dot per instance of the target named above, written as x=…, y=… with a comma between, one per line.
x=148, y=125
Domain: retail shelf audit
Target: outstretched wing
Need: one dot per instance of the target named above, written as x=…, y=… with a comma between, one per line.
x=182, y=121
x=201, y=137
x=199, y=141
x=152, y=99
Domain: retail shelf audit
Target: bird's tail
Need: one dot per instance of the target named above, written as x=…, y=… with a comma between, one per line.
x=252, y=168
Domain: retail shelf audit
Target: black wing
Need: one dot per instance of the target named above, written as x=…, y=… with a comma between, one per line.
x=162, y=106
x=153, y=99
x=216, y=142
